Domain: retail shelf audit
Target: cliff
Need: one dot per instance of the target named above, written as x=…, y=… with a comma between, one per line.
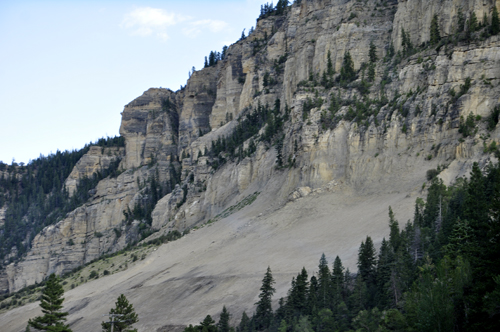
x=355, y=138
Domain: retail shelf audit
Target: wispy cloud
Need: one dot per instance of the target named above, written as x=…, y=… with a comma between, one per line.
x=196, y=27
x=147, y=21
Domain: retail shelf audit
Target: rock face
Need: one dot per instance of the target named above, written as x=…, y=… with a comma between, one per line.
x=97, y=159
x=414, y=127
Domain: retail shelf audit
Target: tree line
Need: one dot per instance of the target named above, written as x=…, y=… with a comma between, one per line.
x=440, y=272
x=35, y=195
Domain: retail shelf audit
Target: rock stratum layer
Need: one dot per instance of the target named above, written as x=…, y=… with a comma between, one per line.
x=384, y=155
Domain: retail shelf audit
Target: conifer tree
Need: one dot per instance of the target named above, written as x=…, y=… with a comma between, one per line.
x=337, y=282
x=384, y=269
x=243, y=327
x=473, y=23
x=347, y=73
x=51, y=303
x=298, y=295
x=208, y=324
x=366, y=261
x=329, y=65
x=324, y=277
x=373, y=53
x=461, y=22
x=495, y=22
x=123, y=316
x=435, y=36
x=394, y=239
x=223, y=325
x=264, y=310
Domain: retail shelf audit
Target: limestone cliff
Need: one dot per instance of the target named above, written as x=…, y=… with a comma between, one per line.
x=404, y=122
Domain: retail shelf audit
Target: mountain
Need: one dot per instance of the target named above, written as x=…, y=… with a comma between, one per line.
x=325, y=115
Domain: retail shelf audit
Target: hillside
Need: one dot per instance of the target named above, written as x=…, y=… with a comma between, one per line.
x=331, y=110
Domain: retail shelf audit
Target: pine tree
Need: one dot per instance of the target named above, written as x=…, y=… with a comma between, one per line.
x=384, y=268
x=51, y=303
x=337, y=282
x=394, y=239
x=298, y=295
x=435, y=36
x=461, y=22
x=473, y=23
x=122, y=316
x=264, y=310
x=324, y=277
x=243, y=327
x=495, y=22
x=347, y=73
x=329, y=65
x=373, y=53
x=208, y=324
x=367, y=261
x=223, y=325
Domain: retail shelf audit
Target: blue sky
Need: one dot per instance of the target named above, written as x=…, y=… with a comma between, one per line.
x=67, y=68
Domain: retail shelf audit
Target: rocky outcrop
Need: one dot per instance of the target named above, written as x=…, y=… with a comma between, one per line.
x=415, y=17
x=85, y=234
x=96, y=160
x=149, y=125
x=397, y=127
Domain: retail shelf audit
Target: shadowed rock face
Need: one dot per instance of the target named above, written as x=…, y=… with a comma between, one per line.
x=383, y=157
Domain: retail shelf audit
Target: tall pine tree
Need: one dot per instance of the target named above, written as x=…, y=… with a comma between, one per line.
x=264, y=310
x=53, y=318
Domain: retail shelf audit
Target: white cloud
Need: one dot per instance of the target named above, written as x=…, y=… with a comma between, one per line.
x=196, y=27
x=146, y=21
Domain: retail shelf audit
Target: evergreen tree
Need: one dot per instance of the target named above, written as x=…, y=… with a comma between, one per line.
x=312, y=297
x=473, y=23
x=367, y=261
x=495, y=22
x=373, y=53
x=208, y=324
x=461, y=22
x=244, y=322
x=283, y=327
x=337, y=282
x=264, y=310
x=406, y=42
x=298, y=295
x=394, y=239
x=122, y=315
x=329, y=65
x=435, y=36
x=53, y=318
x=324, y=277
x=384, y=270
x=223, y=325
x=347, y=73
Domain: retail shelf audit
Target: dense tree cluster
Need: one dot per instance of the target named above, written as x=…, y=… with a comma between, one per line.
x=268, y=9
x=248, y=127
x=440, y=272
x=35, y=194
x=214, y=57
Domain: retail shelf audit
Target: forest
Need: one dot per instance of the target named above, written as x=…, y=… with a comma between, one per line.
x=440, y=272
x=35, y=195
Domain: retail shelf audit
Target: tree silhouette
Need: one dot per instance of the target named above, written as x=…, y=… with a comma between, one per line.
x=51, y=303
x=122, y=316
x=264, y=311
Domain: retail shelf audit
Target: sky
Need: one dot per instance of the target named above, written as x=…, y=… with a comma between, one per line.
x=67, y=68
